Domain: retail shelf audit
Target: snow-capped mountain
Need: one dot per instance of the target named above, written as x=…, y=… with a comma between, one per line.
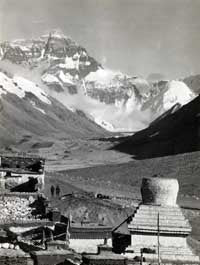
x=112, y=99
x=168, y=95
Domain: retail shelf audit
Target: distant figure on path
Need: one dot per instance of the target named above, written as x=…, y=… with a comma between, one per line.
x=52, y=191
x=57, y=190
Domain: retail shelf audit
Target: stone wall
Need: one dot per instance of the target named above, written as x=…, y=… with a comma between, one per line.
x=14, y=257
x=5, y=260
x=51, y=257
x=87, y=245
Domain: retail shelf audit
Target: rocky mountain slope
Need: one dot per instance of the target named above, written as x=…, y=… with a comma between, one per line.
x=29, y=116
x=166, y=95
x=114, y=100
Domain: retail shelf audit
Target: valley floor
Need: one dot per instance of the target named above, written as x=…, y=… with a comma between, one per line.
x=68, y=155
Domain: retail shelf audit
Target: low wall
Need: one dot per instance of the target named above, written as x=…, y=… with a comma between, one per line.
x=26, y=195
x=26, y=223
x=152, y=240
x=53, y=257
x=5, y=260
x=15, y=257
x=87, y=245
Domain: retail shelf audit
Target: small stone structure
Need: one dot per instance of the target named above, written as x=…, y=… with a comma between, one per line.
x=159, y=226
x=105, y=256
x=160, y=191
x=18, y=169
x=51, y=257
x=85, y=237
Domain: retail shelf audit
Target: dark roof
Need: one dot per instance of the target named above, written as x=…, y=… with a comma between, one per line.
x=78, y=231
x=122, y=229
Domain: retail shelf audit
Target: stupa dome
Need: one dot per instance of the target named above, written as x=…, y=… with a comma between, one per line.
x=160, y=191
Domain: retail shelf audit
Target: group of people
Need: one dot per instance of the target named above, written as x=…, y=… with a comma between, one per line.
x=53, y=190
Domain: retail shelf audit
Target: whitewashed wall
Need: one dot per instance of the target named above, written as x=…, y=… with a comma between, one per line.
x=87, y=245
x=150, y=241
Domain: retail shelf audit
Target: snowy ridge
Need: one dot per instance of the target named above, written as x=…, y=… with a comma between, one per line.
x=101, y=76
x=173, y=93
x=56, y=33
x=114, y=100
x=19, y=86
x=177, y=92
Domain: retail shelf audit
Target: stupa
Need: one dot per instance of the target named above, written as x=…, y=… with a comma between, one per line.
x=158, y=227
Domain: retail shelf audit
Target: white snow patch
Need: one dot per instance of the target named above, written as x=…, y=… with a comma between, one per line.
x=106, y=125
x=51, y=57
x=18, y=40
x=69, y=63
x=48, y=78
x=34, y=105
x=23, y=48
x=71, y=109
x=1, y=53
x=7, y=85
x=139, y=80
x=101, y=76
x=54, y=34
x=66, y=78
x=154, y=134
x=42, y=54
x=132, y=104
x=28, y=86
x=76, y=56
x=84, y=53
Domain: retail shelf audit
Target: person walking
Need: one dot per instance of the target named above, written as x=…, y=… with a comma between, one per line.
x=52, y=191
x=57, y=191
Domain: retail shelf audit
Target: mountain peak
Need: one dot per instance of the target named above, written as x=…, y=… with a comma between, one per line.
x=57, y=33
x=67, y=70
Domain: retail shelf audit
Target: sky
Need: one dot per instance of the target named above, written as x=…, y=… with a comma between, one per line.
x=137, y=37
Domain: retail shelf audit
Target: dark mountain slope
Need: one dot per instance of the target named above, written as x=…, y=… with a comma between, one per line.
x=175, y=133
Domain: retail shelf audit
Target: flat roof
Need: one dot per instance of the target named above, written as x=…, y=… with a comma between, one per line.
x=20, y=171
x=20, y=155
x=107, y=256
x=90, y=226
